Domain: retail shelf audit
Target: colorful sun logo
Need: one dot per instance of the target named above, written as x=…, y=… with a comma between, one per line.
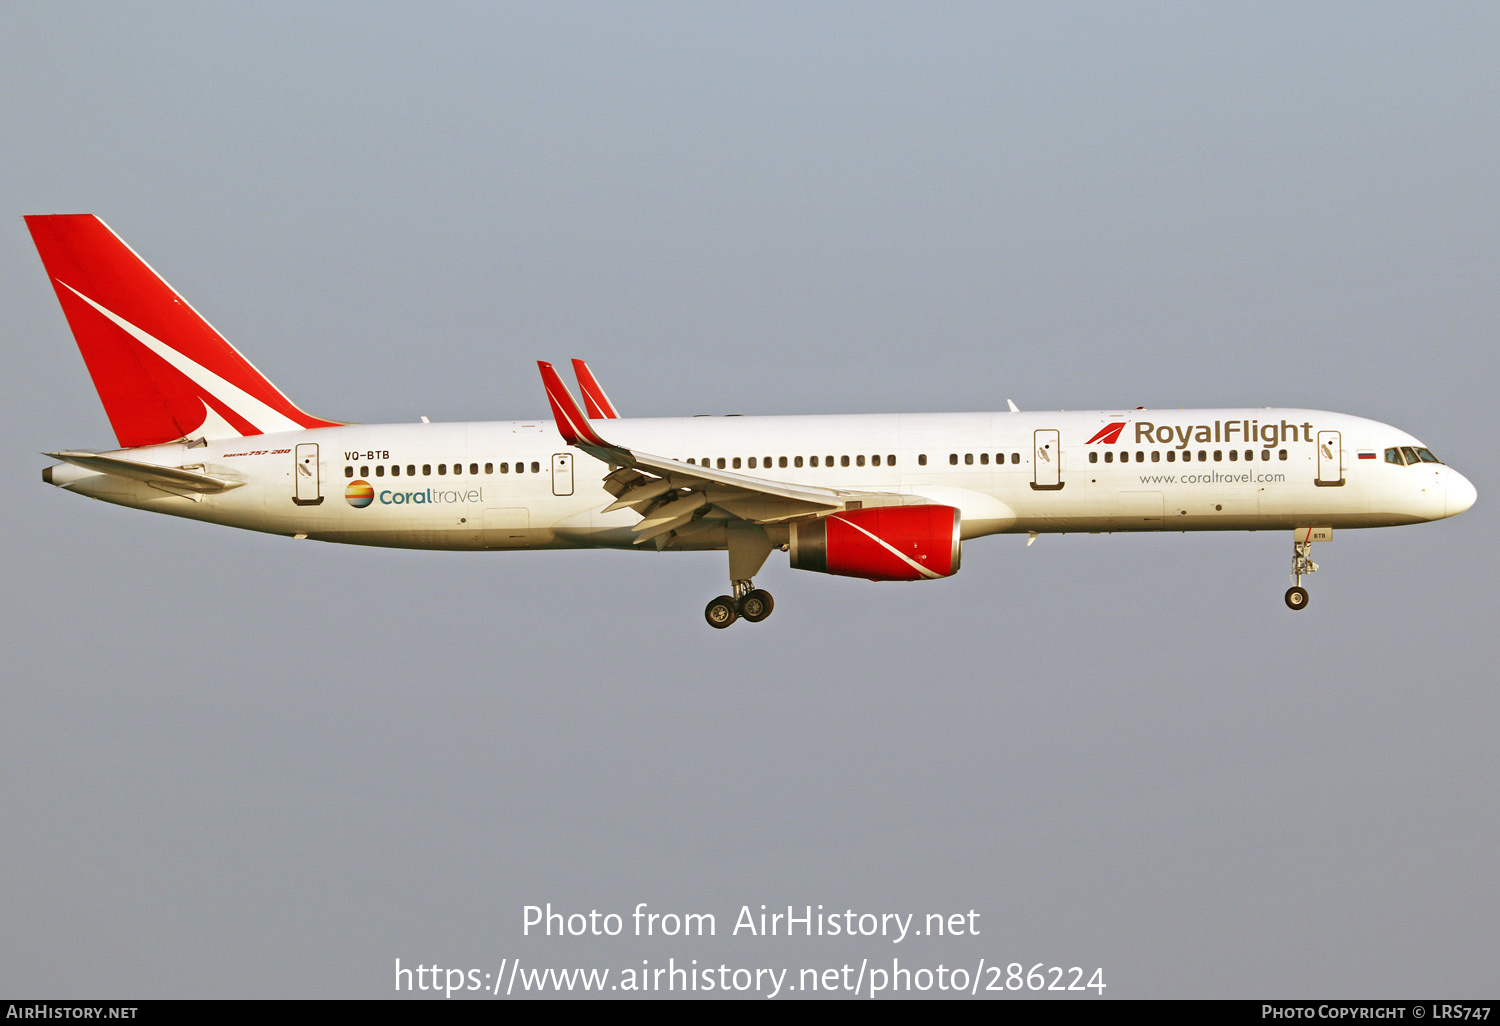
x=359, y=494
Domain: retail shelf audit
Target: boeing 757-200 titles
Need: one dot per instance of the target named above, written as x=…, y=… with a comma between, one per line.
x=891, y=497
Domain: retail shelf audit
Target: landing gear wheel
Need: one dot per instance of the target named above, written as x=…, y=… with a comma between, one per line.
x=756, y=606
x=721, y=612
x=1296, y=598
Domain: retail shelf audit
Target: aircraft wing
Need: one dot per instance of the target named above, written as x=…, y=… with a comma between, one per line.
x=672, y=495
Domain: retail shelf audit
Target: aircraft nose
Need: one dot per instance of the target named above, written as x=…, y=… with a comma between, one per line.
x=1459, y=494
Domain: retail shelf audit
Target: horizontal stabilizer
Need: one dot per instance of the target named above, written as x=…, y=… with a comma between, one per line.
x=177, y=479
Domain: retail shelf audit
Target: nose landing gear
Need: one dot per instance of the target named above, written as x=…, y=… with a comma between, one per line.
x=1296, y=596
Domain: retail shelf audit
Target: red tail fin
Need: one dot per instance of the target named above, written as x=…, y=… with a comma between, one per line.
x=161, y=370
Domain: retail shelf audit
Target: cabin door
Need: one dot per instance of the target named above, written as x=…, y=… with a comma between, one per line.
x=1046, y=460
x=1330, y=459
x=308, y=490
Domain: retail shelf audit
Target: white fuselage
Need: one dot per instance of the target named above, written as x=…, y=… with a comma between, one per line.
x=1179, y=470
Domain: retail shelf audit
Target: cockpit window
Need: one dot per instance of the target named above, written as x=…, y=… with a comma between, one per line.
x=1409, y=455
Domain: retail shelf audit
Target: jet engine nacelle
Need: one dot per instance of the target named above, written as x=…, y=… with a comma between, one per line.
x=883, y=543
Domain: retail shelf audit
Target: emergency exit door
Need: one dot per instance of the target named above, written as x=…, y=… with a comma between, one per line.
x=562, y=473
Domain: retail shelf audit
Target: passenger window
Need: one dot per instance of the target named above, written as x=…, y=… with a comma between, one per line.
x=1094, y=456
x=890, y=460
x=1140, y=457
x=828, y=461
x=364, y=471
x=1218, y=455
x=859, y=461
x=1109, y=457
x=396, y=470
x=922, y=459
x=442, y=469
x=1265, y=455
x=781, y=461
x=721, y=463
x=473, y=468
x=1281, y=454
x=1249, y=455
x=411, y=470
x=505, y=468
x=458, y=468
x=1015, y=457
x=426, y=469
x=1124, y=457
x=1155, y=455
x=1187, y=455
x=843, y=461
x=752, y=462
x=536, y=468
x=349, y=471
x=380, y=471
x=984, y=459
x=953, y=459
x=1171, y=455
x=968, y=459
x=796, y=461
x=875, y=460
x=1234, y=454
x=812, y=461
x=1202, y=455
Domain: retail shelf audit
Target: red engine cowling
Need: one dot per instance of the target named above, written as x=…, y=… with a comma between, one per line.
x=884, y=543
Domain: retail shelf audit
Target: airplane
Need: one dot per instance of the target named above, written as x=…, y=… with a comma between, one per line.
x=887, y=497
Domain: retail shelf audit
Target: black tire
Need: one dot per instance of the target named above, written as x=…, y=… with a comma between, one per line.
x=756, y=606
x=1296, y=598
x=721, y=612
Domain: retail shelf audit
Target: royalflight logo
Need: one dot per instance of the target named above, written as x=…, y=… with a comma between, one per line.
x=359, y=494
x=1109, y=434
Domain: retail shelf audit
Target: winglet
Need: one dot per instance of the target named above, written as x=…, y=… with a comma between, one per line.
x=572, y=424
x=594, y=400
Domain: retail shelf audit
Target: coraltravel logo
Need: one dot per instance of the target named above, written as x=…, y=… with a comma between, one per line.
x=359, y=494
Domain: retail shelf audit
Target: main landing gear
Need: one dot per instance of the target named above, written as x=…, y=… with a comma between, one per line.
x=1296, y=596
x=748, y=546
x=748, y=601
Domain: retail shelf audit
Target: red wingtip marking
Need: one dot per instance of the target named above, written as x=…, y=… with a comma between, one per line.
x=594, y=400
x=571, y=422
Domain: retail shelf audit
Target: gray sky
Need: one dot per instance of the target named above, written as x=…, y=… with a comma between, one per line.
x=235, y=765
